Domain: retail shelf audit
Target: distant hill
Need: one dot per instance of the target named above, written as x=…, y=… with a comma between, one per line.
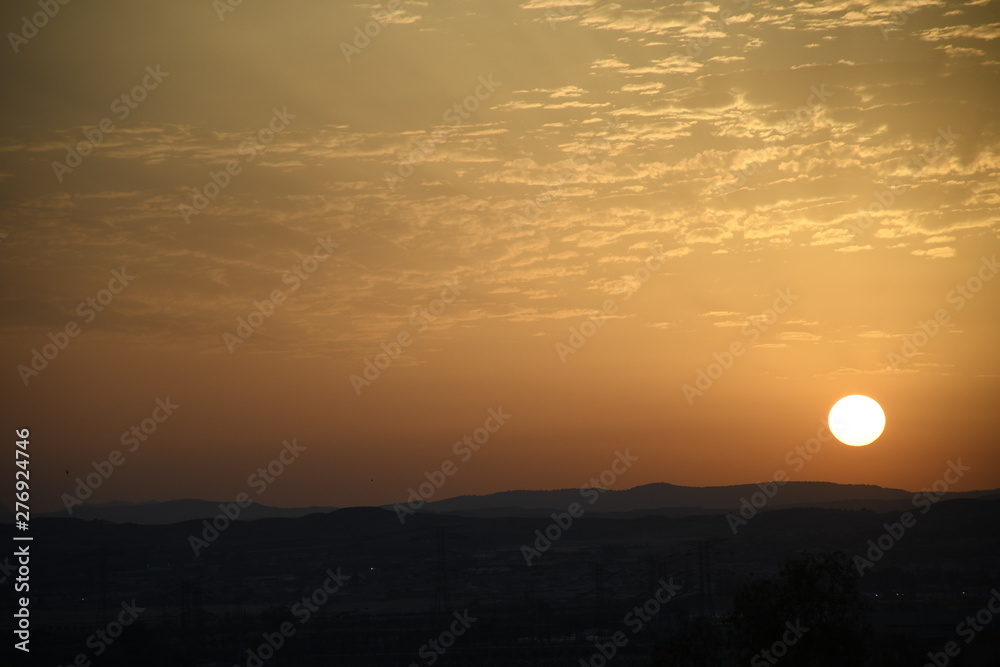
x=671, y=500
x=174, y=511
x=659, y=499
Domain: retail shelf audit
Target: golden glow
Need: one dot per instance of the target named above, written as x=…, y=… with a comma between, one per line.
x=857, y=420
x=500, y=184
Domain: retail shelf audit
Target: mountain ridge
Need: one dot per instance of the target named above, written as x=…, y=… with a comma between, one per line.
x=656, y=498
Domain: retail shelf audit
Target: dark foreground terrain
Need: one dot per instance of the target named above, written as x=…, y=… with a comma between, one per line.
x=356, y=586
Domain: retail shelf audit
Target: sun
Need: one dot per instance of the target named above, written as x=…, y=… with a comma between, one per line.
x=857, y=420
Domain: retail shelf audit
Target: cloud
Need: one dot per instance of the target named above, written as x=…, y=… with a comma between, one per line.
x=936, y=253
x=798, y=336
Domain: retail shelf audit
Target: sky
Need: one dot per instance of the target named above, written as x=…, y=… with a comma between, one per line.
x=555, y=230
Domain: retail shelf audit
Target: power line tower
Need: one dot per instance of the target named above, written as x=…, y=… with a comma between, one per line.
x=600, y=589
x=181, y=601
x=600, y=611
x=706, y=548
x=441, y=602
x=657, y=570
x=701, y=552
x=191, y=613
x=705, y=578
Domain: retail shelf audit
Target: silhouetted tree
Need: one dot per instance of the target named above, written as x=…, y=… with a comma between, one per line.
x=815, y=603
x=758, y=618
x=695, y=644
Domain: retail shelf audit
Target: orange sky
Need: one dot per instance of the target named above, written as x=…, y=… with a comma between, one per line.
x=564, y=209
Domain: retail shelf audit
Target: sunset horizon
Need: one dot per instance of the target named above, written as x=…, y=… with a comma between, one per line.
x=440, y=494
x=725, y=258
